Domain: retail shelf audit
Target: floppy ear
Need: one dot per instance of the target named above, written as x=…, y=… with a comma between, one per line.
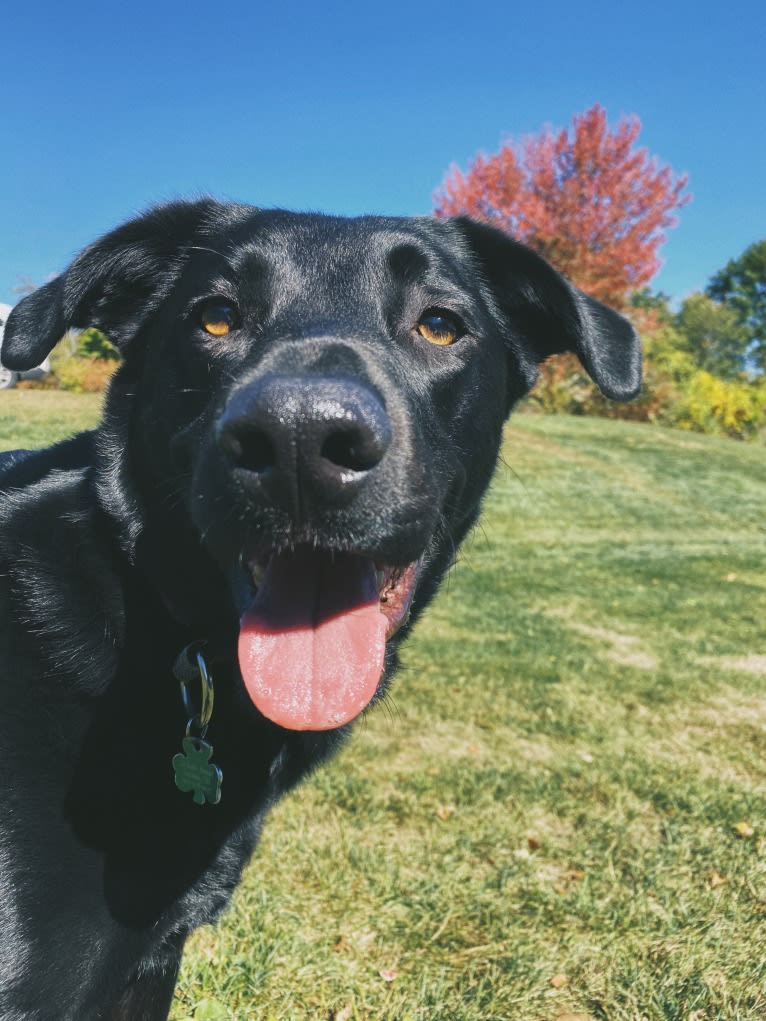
x=553, y=316
x=113, y=284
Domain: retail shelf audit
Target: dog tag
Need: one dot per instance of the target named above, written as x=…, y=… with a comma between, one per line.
x=195, y=772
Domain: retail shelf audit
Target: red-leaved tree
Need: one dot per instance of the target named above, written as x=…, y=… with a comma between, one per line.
x=595, y=206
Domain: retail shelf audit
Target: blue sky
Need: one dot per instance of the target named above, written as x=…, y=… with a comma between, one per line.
x=352, y=108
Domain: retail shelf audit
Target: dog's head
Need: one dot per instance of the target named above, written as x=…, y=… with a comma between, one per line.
x=314, y=405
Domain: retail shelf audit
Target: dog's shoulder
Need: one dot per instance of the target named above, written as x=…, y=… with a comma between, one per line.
x=43, y=496
x=22, y=468
x=59, y=579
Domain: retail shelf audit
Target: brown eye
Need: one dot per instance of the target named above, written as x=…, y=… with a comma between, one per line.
x=439, y=327
x=217, y=317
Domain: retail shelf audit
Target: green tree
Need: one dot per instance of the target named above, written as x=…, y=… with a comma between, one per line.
x=655, y=303
x=741, y=285
x=713, y=335
x=92, y=343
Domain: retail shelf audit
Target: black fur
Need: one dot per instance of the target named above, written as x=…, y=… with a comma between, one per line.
x=123, y=545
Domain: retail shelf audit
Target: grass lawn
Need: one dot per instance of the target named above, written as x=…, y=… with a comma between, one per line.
x=561, y=811
x=34, y=418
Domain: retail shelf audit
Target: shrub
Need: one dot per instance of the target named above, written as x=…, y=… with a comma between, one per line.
x=84, y=375
x=709, y=404
x=48, y=382
x=83, y=362
x=675, y=392
x=562, y=388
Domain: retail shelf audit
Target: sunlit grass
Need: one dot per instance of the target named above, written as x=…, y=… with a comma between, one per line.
x=545, y=818
x=34, y=418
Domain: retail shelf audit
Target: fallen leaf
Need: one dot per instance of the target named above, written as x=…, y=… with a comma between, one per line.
x=716, y=879
x=731, y=576
x=344, y=1014
x=445, y=811
x=533, y=843
x=573, y=875
x=586, y=757
x=389, y=975
x=559, y=981
x=744, y=829
x=567, y=879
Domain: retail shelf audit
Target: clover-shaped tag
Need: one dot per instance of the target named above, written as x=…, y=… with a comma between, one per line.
x=195, y=772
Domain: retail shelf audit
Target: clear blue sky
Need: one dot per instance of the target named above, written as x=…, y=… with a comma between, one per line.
x=350, y=108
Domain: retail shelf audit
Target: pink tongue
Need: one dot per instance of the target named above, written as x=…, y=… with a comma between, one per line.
x=311, y=647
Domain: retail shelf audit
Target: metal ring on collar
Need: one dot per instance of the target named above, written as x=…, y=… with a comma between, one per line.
x=202, y=716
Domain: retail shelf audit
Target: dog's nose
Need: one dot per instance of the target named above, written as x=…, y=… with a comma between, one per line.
x=305, y=440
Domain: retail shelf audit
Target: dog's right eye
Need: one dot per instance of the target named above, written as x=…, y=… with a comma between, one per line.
x=217, y=316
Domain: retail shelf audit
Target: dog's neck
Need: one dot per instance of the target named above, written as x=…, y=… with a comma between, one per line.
x=153, y=538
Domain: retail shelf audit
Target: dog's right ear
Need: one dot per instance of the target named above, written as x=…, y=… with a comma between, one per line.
x=113, y=284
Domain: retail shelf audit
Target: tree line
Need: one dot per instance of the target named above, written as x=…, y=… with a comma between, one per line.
x=598, y=207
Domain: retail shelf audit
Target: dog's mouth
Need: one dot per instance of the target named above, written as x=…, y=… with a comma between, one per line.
x=312, y=643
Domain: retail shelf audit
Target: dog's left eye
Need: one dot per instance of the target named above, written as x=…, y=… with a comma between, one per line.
x=217, y=317
x=439, y=327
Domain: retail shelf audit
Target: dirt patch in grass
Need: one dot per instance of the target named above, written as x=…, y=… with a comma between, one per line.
x=625, y=650
x=754, y=663
x=716, y=739
x=733, y=708
x=462, y=740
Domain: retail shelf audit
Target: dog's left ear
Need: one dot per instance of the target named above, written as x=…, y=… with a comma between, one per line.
x=113, y=284
x=546, y=315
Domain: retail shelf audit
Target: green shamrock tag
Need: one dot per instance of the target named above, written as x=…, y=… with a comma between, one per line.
x=195, y=772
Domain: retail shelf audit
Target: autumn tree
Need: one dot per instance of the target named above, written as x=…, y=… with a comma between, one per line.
x=741, y=286
x=586, y=198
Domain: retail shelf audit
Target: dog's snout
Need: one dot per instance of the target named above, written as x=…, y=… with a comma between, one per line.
x=305, y=439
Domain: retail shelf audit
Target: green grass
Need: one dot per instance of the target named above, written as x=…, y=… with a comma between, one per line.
x=543, y=819
x=35, y=418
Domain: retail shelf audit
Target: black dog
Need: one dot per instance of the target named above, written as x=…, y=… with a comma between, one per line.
x=306, y=417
